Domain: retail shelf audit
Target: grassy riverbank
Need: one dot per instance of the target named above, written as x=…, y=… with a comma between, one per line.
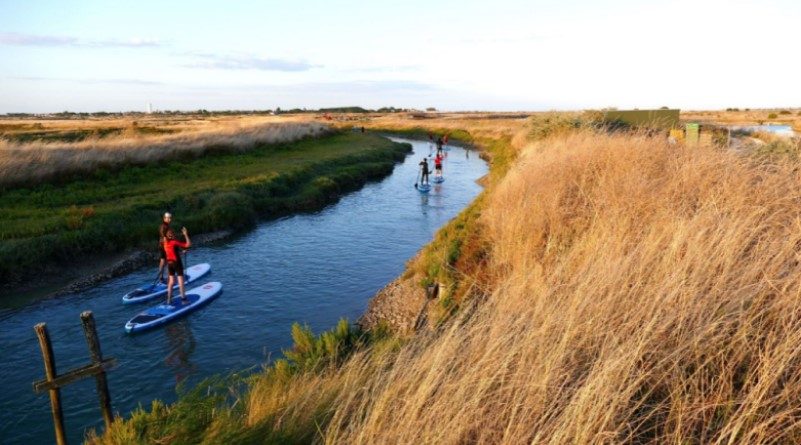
x=49, y=224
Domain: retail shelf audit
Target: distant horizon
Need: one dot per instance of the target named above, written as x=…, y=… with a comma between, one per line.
x=375, y=110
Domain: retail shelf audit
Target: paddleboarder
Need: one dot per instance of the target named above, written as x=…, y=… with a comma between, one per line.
x=175, y=267
x=424, y=171
x=439, y=146
x=438, y=166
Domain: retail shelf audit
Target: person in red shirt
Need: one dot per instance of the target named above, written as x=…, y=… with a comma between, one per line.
x=175, y=266
x=438, y=166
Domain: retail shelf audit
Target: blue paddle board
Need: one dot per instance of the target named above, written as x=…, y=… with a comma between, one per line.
x=164, y=313
x=438, y=179
x=151, y=291
x=424, y=188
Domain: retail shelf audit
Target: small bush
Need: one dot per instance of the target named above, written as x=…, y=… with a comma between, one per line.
x=784, y=112
x=772, y=116
x=544, y=125
x=312, y=352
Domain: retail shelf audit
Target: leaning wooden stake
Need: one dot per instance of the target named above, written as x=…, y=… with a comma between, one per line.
x=54, y=382
x=88, y=321
x=50, y=375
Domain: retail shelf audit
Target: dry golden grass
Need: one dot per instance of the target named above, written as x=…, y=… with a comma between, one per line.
x=750, y=117
x=643, y=293
x=32, y=162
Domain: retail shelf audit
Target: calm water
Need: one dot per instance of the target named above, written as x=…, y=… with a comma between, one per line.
x=779, y=130
x=311, y=268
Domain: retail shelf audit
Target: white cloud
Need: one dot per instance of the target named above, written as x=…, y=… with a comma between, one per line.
x=19, y=39
x=226, y=62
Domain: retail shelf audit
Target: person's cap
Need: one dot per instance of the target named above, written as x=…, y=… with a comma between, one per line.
x=168, y=215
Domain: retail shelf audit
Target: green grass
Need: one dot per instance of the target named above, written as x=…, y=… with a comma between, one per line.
x=111, y=211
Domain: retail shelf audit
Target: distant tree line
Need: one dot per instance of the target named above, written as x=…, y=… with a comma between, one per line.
x=203, y=112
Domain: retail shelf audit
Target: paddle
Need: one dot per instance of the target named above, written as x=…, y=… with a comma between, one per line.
x=419, y=175
x=160, y=274
x=186, y=263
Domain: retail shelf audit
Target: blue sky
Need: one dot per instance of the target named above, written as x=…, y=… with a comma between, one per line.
x=453, y=55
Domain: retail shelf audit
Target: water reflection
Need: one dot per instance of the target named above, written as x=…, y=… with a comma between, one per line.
x=181, y=343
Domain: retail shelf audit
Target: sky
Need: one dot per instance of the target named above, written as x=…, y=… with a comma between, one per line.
x=498, y=55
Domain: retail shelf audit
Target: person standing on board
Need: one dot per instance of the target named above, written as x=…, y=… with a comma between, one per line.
x=424, y=171
x=175, y=267
x=445, y=140
x=439, y=146
x=438, y=166
x=165, y=226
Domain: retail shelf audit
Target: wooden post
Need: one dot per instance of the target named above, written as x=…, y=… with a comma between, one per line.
x=432, y=291
x=53, y=382
x=50, y=374
x=88, y=321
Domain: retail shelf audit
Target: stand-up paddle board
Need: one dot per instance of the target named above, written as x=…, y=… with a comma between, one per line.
x=424, y=188
x=438, y=179
x=156, y=290
x=164, y=313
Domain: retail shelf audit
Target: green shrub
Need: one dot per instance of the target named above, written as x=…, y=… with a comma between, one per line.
x=772, y=116
x=544, y=125
x=311, y=352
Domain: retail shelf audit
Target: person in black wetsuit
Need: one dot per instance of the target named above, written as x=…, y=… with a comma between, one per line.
x=424, y=171
x=439, y=146
x=163, y=229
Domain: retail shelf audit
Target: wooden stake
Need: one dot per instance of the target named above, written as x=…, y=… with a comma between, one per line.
x=88, y=321
x=50, y=374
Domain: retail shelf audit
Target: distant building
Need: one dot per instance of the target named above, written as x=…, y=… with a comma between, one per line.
x=149, y=108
